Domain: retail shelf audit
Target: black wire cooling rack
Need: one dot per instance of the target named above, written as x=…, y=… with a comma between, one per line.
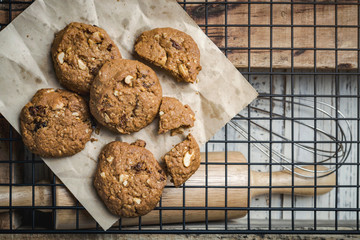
x=337, y=212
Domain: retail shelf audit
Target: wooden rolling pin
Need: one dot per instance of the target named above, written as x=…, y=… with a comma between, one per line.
x=237, y=175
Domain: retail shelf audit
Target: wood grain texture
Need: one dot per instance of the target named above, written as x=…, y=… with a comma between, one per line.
x=237, y=175
x=305, y=36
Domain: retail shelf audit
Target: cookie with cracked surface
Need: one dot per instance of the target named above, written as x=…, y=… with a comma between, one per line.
x=174, y=116
x=171, y=49
x=183, y=160
x=125, y=96
x=129, y=179
x=55, y=123
x=78, y=52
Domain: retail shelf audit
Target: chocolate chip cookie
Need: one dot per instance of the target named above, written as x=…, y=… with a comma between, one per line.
x=174, y=116
x=55, y=123
x=125, y=96
x=78, y=52
x=128, y=179
x=171, y=49
x=183, y=160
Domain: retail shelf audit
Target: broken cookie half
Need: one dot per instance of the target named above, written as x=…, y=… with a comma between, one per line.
x=183, y=160
x=172, y=50
x=174, y=116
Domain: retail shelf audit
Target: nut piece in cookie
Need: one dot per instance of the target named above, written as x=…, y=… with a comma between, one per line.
x=174, y=116
x=129, y=179
x=78, y=52
x=183, y=160
x=55, y=123
x=125, y=96
x=171, y=49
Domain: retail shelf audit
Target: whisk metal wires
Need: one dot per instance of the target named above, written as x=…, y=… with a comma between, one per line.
x=324, y=155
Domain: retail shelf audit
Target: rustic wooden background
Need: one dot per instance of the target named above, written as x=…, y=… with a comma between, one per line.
x=306, y=38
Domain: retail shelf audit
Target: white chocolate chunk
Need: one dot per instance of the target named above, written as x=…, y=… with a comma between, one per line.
x=110, y=159
x=60, y=57
x=82, y=65
x=187, y=159
x=128, y=79
x=107, y=118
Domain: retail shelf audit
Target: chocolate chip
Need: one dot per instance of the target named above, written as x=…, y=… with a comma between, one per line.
x=109, y=47
x=140, y=75
x=175, y=44
x=148, y=85
x=123, y=120
x=32, y=111
x=139, y=143
x=138, y=166
x=160, y=171
x=94, y=70
x=39, y=125
x=37, y=110
x=162, y=178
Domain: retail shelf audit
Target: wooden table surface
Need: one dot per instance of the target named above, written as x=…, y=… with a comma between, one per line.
x=295, y=47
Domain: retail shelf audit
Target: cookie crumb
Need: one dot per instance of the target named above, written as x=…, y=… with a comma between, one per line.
x=93, y=140
x=139, y=143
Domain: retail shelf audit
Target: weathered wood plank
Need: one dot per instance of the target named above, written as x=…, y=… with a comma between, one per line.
x=304, y=34
x=305, y=37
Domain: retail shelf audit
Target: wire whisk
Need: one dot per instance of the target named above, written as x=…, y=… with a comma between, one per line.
x=320, y=111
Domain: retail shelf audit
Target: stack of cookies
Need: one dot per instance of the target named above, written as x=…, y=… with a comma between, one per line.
x=124, y=96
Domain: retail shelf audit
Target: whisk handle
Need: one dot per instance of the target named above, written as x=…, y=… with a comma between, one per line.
x=302, y=186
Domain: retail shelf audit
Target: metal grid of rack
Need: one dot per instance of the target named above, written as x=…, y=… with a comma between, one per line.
x=38, y=218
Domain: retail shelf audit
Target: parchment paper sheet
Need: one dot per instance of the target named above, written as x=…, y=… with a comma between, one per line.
x=25, y=67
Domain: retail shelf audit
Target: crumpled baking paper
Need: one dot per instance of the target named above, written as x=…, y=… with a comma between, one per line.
x=25, y=67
